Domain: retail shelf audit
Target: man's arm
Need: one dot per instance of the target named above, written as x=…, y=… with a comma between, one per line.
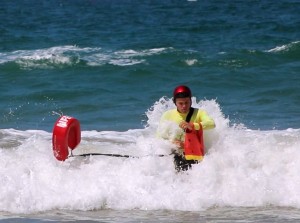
x=206, y=121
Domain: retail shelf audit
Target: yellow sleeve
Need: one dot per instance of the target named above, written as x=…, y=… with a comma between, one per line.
x=205, y=120
x=169, y=126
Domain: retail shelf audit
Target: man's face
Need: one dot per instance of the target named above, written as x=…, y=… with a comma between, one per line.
x=183, y=104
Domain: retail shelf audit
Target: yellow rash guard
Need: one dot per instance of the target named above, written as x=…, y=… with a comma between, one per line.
x=170, y=120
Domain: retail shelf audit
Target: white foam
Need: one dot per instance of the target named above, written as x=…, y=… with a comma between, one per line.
x=122, y=57
x=242, y=167
x=283, y=47
x=69, y=55
x=42, y=58
x=191, y=62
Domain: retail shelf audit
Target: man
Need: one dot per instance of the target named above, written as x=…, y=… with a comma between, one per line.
x=184, y=127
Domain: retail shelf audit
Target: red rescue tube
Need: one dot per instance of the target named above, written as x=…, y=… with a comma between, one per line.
x=66, y=134
x=194, y=145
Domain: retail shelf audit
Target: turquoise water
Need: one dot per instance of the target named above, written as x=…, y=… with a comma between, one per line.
x=108, y=62
x=113, y=66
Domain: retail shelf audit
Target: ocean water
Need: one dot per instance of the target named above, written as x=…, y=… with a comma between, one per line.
x=113, y=66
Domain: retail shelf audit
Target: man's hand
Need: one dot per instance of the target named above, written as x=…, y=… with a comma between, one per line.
x=185, y=125
x=178, y=143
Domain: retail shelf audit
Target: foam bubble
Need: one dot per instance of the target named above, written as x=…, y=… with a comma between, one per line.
x=191, y=62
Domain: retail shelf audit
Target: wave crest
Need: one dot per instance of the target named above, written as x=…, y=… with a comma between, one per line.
x=61, y=56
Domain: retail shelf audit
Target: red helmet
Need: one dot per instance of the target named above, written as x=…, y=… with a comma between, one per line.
x=181, y=92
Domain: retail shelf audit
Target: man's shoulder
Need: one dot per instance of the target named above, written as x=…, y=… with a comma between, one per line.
x=169, y=113
x=199, y=110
